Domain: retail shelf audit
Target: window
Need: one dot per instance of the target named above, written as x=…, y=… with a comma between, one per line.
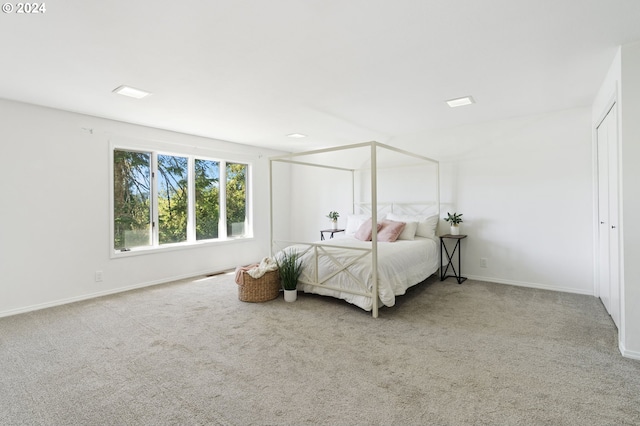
x=172, y=199
x=131, y=199
x=161, y=199
x=236, y=198
x=207, y=199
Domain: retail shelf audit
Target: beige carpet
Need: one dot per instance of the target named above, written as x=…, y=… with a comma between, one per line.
x=191, y=353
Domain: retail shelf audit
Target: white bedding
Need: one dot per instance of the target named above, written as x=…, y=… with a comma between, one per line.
x=401, y=264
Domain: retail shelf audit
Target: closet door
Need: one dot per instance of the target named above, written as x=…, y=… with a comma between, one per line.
x=603, y=217
x=608, y=277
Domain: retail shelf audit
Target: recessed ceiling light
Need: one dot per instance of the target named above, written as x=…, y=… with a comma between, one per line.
x=467, y=100
x=297, y=135
x=132, y=92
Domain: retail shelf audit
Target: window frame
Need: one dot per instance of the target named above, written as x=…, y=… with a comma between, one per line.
x=191, y=242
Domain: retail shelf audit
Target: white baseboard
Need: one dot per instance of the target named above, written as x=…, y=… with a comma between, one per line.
x=531, y=285
x=627, y=353
x=94, y=295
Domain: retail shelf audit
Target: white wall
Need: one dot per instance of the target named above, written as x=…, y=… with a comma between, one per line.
x=55, y=210
x=524, y=186
x=315, y=192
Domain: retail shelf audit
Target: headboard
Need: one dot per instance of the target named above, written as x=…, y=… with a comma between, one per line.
x=427, y=208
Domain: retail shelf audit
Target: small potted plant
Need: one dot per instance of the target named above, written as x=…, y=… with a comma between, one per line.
x=333, y=216
x=454, y=220
x=290, y=268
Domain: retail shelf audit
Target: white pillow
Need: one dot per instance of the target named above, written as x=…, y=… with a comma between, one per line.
x=354, y=222
x=428, y=227
x=409, y=231
x=426, y=224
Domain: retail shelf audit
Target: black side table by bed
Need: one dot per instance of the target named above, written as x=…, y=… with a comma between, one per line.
x=443, y=272
x=332, y=231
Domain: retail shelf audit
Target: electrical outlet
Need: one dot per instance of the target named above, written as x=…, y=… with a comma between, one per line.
x=98, y=276
x=483, y=262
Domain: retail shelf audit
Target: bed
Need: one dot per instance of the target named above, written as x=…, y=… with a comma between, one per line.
x=369, y=273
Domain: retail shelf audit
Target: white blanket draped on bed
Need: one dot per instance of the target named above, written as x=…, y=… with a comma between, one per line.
x=401, y=264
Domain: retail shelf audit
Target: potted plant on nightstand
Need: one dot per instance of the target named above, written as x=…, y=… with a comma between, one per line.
x=290, y=268
x=454, y=220
x=333, y=216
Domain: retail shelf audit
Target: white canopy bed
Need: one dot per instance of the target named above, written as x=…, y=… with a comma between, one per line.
x=402, y=249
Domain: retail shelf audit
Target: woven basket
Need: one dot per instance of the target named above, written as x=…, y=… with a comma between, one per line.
x=267, y=287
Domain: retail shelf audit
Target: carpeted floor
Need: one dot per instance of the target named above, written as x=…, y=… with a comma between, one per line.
x=190, y=353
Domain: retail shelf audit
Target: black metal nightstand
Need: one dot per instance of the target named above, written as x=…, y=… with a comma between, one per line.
x=332, y=231
x=443, y=272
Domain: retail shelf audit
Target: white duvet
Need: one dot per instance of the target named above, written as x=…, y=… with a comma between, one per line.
x=401, y=264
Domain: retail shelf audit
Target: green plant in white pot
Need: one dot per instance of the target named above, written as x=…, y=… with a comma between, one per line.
x=454, y=220
x=333, y=216
x=290, y=268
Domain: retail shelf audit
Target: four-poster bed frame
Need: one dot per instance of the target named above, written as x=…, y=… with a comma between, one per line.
x=325, y=248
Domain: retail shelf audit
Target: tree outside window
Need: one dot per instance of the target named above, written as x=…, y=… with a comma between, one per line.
x=207, y=199
x=173, y=192
x=236, y=199
x=131, y=199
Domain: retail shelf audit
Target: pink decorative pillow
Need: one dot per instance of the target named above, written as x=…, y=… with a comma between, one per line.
x=364, y=231
x=390, y=230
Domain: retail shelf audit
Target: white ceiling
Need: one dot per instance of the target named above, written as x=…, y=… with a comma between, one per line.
x=340, y=71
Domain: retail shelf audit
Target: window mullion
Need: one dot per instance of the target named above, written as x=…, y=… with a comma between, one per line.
x=248, y=229
x=155, y=235
x=191, y=200
x=222, y=221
